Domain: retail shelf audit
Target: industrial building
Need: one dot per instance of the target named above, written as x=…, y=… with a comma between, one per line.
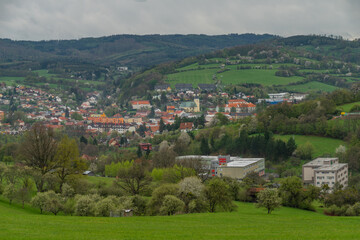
x=227, y=166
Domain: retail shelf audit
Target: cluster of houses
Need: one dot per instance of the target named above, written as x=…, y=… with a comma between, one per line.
x=182, y=102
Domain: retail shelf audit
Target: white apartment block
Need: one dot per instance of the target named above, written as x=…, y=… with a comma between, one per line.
x=322, y=171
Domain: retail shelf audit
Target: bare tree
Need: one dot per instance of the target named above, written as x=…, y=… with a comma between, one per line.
x=134, y=178
x=39, y=148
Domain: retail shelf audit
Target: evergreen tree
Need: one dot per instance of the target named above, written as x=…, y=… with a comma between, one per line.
x=291, y=146
x=83, y=140
x=161, y=125
x=204, y=147
x=139, y=152
x=67, y=113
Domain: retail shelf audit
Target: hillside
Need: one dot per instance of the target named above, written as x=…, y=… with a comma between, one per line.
x=246, y=223
x=296, y=64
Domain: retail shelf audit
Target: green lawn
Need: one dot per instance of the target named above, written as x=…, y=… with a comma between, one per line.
x=311, y=86
x=322, y=145
x=259, y=76
x=193, y=77
x=44, y=73
x=347, y=107
x=100, y=180
x=247, y=222
x=11, y=80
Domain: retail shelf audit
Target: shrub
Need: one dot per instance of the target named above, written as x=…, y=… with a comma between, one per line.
x=69, y=206
x=104, y=207
x=269, y=199
x=356, y=208
x=171, y=205
x=67, y=191
x=158, y=196
x=53, y=203
x=198, y=205
x=39, y=201
x=84, y=206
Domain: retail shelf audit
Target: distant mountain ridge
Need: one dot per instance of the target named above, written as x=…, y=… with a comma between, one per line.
x=127, y=50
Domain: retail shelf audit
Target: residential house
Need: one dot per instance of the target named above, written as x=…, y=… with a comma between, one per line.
x=183, y=86
x=162, y=87
x=140, y=104
x=186, y=126
x=206, y=87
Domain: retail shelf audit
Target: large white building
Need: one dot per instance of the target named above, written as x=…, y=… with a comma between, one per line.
x=325, y=171
x=226, y=166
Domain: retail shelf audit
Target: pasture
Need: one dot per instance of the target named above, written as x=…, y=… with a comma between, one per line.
x=347, y=107
x=322, y=145
x=311, y=86
x=247, y=222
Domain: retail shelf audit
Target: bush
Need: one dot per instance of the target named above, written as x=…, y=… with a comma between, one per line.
x=158, y=196
x=269, y=199
x=350, y=211
x=67, y=191
x=171, y=205
x=333, y=210
x=356, y=208
x=39, y=201
x=84, y=206
x=53, y=202
x=104, y=207
x=139, y=204
x=305, y=151
x=69, y=206
x=198, y=205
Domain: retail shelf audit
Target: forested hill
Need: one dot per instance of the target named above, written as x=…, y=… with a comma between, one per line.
x=127, y=50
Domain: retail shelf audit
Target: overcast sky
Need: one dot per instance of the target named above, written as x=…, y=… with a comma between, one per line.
x=73, y=19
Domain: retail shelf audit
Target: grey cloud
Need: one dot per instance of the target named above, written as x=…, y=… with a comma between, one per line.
x=52, y=19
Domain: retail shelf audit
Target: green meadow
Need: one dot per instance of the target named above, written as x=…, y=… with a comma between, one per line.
x=322, y=145
x=193, y=77
x=311, y=86
x=265, y=77
x=347, y=107
x=247, y=222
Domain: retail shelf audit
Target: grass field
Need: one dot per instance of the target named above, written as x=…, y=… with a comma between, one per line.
x=260, y=76
x=247, y=222
x=347, y=107
x=11, y=80
x=311, y=86
x=233, y=76
x=322, y=145
x=193, y=77
x=100, y=180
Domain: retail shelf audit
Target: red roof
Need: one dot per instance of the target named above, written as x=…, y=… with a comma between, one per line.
x=186, y=125
x=142, y=102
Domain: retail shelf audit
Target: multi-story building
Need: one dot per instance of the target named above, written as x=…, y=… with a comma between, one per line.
x=226, y=166
x=325, y=171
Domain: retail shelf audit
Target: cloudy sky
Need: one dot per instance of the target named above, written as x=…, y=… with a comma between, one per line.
x=73, y=19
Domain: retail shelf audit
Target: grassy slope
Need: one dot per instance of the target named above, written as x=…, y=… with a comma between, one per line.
x=311, y=86
x=246, y=223
x=232, y=76
x=193, y=77
x=260, y=76
x=347, y=107
x=322, y=145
